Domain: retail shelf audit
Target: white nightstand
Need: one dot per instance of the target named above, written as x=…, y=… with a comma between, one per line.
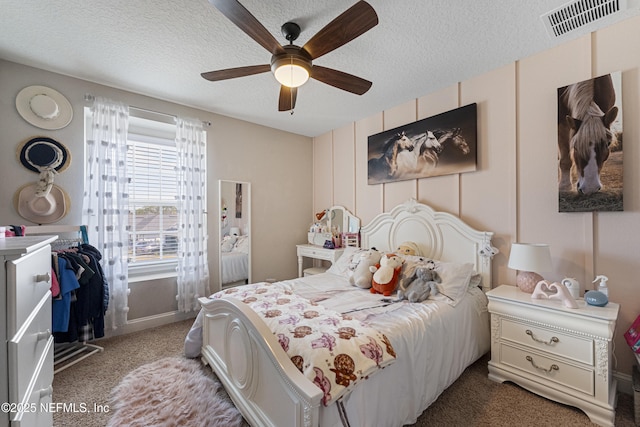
x=560, y=353
x=316, y=252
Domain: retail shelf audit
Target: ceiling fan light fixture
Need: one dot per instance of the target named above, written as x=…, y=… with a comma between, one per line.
x=291, y=75
x=293, y=68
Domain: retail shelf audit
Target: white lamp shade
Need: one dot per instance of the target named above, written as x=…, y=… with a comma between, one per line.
x=529, y=259
x=534, y=257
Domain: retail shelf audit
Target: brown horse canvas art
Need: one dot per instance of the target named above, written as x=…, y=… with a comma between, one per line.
x=586, y=113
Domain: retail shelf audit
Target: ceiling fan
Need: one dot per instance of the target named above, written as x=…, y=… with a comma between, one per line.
x=292, y=65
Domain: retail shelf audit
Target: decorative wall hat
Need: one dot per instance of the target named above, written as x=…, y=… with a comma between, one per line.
x=44, y=107
x=41, y=208
x=44, y=154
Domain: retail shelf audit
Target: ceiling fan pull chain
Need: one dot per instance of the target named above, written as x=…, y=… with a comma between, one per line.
x=291, y=90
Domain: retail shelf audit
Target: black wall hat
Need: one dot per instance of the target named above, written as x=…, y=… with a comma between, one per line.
x=40, y=152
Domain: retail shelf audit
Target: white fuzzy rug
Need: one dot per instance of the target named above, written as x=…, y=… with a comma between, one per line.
x=172, y=392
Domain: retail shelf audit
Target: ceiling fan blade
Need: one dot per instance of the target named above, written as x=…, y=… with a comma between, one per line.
x=353, y=22
x=248, y=23
x=341, y=80
x=287, y=101
x=232, y=73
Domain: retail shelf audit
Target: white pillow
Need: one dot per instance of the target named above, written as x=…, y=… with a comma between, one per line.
x=455, y=277
x=341, y=266
x=242, y=245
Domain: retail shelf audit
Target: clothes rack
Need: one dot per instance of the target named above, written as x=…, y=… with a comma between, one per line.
x=66, y=354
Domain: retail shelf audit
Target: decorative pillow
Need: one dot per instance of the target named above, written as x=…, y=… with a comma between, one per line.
x=456, y=277
x=242, y=245
x=341, y=266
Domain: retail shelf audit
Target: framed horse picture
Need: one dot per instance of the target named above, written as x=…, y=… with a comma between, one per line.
x=590, y=145
x=439, y=145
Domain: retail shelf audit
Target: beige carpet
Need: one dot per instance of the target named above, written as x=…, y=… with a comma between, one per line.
x=473, y=400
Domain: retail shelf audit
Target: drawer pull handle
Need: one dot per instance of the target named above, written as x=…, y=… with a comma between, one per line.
x=44, y=335
x=45, y=392
x=43, y=277
x=553, y=367
x=552, y=341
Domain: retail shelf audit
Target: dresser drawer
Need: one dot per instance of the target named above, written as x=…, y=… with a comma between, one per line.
x=39, y=394
x=319, y=253
x=32, y=277
x=549, y=368
x=27, y=347
x=551, y=341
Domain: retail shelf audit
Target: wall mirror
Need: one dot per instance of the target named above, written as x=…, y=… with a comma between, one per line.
x=234, y=219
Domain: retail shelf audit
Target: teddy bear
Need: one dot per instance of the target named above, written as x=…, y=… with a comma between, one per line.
x=361, y=275
x=408, y=248
x=385, y=274
x=422, y=284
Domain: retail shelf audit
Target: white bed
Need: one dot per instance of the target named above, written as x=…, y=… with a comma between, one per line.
x=234, y=262
x=434, y=341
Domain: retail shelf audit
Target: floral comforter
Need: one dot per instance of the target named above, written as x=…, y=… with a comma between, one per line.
x=333, y=350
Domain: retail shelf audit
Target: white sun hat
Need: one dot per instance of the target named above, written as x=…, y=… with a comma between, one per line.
x=41, y=209
x=44, y=107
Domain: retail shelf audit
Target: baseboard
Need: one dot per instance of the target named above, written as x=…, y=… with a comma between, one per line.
x=625, y=382
x=148, y=322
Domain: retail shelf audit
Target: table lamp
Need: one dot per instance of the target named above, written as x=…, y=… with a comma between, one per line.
x=529, y=259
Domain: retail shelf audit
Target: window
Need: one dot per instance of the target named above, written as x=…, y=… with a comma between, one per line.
x=153, y=205
x=153, y=213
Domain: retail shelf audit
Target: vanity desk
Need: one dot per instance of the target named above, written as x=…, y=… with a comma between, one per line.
x=334, y=221
x=316, y=252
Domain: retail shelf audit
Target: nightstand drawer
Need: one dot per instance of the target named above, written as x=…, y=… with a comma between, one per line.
x=549, y=369
x=548, y=340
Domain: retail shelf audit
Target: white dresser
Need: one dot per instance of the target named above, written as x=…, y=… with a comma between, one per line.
x=560, y=353
x=26, y=357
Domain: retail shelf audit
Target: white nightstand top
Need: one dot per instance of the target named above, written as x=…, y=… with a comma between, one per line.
x=515, y=295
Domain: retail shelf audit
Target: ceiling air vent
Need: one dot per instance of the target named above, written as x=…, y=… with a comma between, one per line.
x=580, y=13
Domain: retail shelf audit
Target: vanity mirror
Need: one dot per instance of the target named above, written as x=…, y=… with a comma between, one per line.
x=343, y=220
x=234, y=225
x=339, y=220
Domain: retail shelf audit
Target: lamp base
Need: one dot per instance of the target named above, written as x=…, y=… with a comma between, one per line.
x=527, y=281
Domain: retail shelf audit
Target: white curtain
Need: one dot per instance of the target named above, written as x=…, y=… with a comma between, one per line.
x=193, y=269
x=105, y=204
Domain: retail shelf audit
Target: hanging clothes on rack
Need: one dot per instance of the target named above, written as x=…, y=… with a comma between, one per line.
x=81, y=273
x=80, y=295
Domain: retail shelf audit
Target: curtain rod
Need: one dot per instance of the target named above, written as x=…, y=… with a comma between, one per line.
x=90, y=98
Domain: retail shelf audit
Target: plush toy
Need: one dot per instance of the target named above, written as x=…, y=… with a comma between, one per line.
x=408, y=248
x=385, y=275
x=361, y=275
x=422, y=284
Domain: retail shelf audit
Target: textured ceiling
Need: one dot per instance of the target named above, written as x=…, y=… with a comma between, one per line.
x=159, y=48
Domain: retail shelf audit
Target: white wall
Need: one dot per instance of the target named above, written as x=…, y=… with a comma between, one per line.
x=514, y=190
x=277, y=164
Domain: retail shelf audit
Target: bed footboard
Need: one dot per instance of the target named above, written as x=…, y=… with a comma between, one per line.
x=261, y=380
